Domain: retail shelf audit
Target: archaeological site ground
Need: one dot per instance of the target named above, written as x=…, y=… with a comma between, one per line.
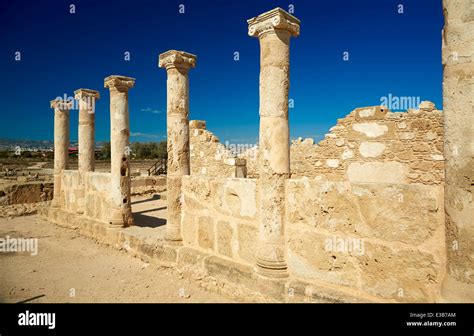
x=377, y=209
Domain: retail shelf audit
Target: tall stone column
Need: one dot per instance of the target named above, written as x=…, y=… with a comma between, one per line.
x=273, y=29
x=87, y=100
x=458, y=106
x=120, y=181
x=177, y=65
x=61, y=144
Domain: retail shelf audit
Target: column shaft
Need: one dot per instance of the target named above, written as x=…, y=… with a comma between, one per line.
x=274, y=150
x=458, y=106
x=120, y=178
x=86, y=139
x=61, y=145
x=177, y=64
x=86, y=159
x=87, y=100
x=274, y=30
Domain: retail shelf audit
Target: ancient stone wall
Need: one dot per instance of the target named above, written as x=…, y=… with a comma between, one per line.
x=209, y=157
x=374, y=145
x=385, y=240
x=148, y=184
x=94, y=197
x=31, y=192
x=220, y=216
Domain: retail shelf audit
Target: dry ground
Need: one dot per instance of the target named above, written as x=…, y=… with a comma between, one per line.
x=97, y=273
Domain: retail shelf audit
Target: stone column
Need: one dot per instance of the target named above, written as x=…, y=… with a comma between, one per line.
x=61, y=144
x=273, y=29
x=177, y=65
x=458, y=106
x=87, y=100
x=120, y=181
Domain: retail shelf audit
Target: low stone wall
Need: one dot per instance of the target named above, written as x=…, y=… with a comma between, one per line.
x=148, y=184
x=386, y=240
x=92, y=200
x=344, y=242
x=220, y=216
x=381, y=241
x=31, y=192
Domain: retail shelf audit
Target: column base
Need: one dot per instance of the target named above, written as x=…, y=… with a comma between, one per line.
x=55, y=203
x=272, y=269
x=120, y=220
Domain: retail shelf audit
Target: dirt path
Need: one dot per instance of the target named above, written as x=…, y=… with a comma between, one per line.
x=68, y=264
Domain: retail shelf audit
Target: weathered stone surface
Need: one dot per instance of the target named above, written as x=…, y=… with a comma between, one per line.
x=332, y=163
x=208, y=156
x=371, y=149
x=370, y=130
x=377, y=172
x=427, y=106
x=87, y=98
x=308, y=258
x=458, y=105
x=120, y=177
x=61, y=143
x=31, y=192
x=274, y=30
x=406, y=275
x=409, y=214
x=206, y=233
x=189, y=228
x=224, y=238
x=407, y=219
x=408, y=137
x=247, y=242
x=370, y=113
x=177, y=65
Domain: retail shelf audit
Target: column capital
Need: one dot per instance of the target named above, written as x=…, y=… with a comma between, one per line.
x=177, y=59
x=120, y=82
x=86, y=93
x=61, y=104
x=276, y=19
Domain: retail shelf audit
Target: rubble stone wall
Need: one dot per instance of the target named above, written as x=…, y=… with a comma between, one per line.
x=373, y=145
x=209, y=157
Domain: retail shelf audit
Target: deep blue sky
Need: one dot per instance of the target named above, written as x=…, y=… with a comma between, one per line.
x=61, y=52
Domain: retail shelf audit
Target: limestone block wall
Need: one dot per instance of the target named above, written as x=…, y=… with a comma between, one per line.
x=220, y=215
x=208, y=156
x=373, y=145
x=94, y=198
x=148, y=184
x=385, y=240
x=380, y=241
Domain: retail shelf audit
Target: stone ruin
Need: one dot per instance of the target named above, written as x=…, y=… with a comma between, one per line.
x=370, y=145
x=378, y=211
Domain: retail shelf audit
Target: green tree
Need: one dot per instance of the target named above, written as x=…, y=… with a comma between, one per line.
x=149, y=150
x=105, y=151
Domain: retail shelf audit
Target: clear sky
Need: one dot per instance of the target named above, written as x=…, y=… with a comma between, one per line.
x=389, y=53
